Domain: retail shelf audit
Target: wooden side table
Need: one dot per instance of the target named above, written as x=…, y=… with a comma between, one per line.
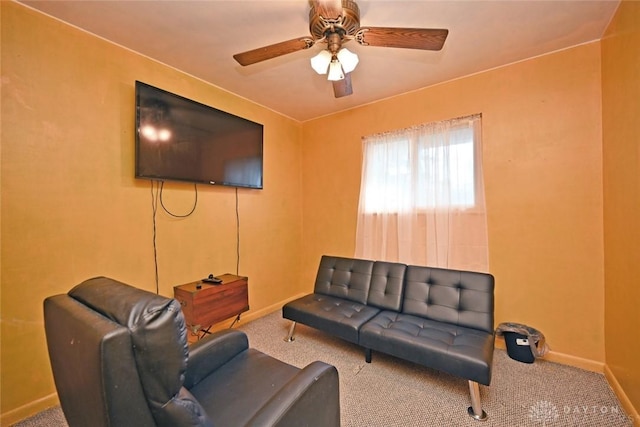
x=205, y=304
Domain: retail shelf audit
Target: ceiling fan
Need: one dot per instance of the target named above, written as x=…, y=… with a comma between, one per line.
x=336, y=22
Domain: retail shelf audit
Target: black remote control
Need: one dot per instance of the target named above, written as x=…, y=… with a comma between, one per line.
x=212, y=279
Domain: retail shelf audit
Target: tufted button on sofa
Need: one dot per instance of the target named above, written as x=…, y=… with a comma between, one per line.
x=438, y=318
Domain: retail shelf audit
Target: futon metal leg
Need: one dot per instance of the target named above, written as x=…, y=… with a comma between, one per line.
x=475, y=410
x=367, y=355
x=290, y=337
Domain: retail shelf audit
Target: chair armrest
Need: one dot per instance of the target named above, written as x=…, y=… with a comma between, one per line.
x=211, y=352
x=312, y=395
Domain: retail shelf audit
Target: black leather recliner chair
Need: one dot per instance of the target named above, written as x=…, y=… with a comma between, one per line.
x=120, y=358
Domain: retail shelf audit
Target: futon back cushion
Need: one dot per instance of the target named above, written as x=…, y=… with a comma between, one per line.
x=461, y=298
x=345, y=278
x=158, y=334
x=387, y=281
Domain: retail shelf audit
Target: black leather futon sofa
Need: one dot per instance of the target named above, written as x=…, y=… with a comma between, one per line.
x=438, y=318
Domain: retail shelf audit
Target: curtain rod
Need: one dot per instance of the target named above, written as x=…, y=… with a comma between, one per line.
x=422, y=125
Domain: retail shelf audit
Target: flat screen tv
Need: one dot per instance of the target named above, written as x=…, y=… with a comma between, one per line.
x=179, y=139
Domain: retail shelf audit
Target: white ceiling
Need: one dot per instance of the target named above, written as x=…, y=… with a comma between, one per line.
x=200, y=37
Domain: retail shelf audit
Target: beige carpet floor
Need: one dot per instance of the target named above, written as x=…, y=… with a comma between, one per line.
x=390, y=392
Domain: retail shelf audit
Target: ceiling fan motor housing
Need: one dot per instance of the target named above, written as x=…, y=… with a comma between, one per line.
x=347, y=23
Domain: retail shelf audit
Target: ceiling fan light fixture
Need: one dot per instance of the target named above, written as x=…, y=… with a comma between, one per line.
x=348, y=59
x=320, y=62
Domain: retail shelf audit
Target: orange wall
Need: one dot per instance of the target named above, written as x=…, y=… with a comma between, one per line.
x=621, y=148
x=71, y=208
x=543, y=174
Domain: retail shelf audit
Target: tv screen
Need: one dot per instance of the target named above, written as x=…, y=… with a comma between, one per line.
x=182, y=140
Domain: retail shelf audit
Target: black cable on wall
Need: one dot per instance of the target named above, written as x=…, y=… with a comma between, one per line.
x=156, y=196
x=154, y=210
x=195, y=202
x=237, y=236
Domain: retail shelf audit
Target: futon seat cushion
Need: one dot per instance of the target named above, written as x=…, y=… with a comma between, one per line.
x=457, y=350
x=336, y=316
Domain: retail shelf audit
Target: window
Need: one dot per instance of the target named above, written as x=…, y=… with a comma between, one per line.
x=427, y=167
x=422, y=196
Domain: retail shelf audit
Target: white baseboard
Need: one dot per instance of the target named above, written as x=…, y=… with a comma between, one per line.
x=51, y=400
x=565, y=359
x=593, y=366
x=253, y=315
x=622, y=396
x=31, y=408
x=578, y=362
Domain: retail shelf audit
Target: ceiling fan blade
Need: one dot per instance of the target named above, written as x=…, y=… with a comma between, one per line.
x=343, y=87
x=273, y=51
x=328, y=9
x=408, y=38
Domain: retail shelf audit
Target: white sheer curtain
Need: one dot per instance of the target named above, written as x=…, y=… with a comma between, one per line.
x=422, y=196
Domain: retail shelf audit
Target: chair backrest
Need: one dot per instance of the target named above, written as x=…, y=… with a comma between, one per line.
x=345, y=278
x=461, y=298
x=119, y=356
